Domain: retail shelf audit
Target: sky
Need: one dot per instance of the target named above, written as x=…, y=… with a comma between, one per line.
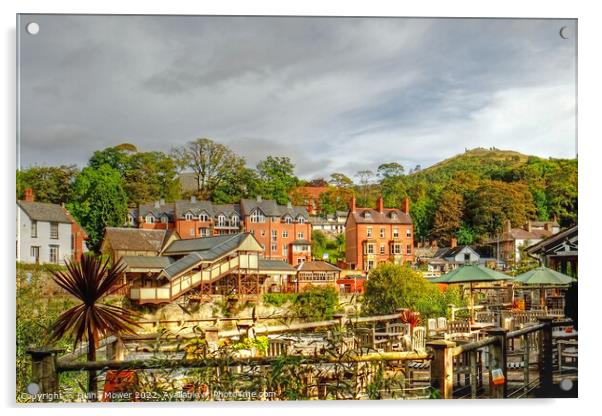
x=333, y=94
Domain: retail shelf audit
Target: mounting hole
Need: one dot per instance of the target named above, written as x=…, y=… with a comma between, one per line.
x=32, y=28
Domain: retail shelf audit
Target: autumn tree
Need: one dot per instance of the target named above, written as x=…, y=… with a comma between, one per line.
x=448, y=215
x=365, y=178
x=340, y=180
x=210, y=162
x=392, y=185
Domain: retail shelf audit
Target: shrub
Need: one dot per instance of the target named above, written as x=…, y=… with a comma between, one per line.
x=278, y=299
x=316, y=303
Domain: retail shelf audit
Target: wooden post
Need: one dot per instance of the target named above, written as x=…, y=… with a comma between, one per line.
x=472, y=357
x=442, y=377
x=452, y=309
x=526, y=351
x=497, y=359
x=44, y=374
x=342, y=318
x=546, y=358
x=115, y=350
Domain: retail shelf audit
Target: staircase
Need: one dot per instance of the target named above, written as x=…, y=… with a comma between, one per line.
x=182, y=284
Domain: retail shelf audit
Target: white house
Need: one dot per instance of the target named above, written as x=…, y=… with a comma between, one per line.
x=44, y=233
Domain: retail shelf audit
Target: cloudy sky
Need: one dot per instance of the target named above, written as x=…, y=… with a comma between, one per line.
x=333, y=94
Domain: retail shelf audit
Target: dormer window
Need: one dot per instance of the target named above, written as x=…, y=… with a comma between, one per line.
x=164, y=219
x=234, y=220
x=301, y=220
x=367, y=214
x=188, y=216
x=257, y=216
x=288, y=219
x=130, y=220
x=393, y=216
x=204, y=217
x=150, y=219
x=221, y=220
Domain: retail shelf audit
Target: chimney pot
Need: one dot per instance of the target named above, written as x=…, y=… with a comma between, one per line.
x=352, y=204
x=157, y=204
x=162, y=201
x=29, y=196
x=193, y=199
x=259, y=199
x=289, y=205
x=453, y=242
x=405, y=206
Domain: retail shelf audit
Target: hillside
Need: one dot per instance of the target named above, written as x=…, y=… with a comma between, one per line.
x=480, y=159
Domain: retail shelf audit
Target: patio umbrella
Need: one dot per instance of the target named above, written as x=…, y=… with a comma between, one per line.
x=471, y=273
x=542, y=277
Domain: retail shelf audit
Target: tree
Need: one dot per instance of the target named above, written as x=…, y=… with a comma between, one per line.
x=99, y=201
x=211, y=163
x=317, y=183
x=340, y=180
x=465, y=235
x=318, y=243
x=49, y=184
x=495, y=202
x=448, y=216
x=116, y=157
x=242, y=183
x=365, y=178
x=392, y=185
x=392, y=286
x=89, y=281
x=335, y=199
x=277, y=178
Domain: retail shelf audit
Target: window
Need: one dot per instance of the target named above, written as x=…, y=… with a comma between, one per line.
x=72, y=242
x=130, y=220
x=382, y=249
x=54, y=230
x=466, y=257
x=409, y=249
x=150, y=219
x=53, y=254
x=288, y=219
x=367, y=214
x=300, y=235
x=164, y=219
x=393, y=216
x=285, y=249
x=285, y=234
x=274, y=235
x=34, y=252
x=408, y=233
x=369, y=232
x=234, y=220
x=382, y=233
x=34, y=229
x=370, y=264
x=204, y=232
x=274, y=247
x=301, y=220
x=396, y=248
x=221, y=220
x=204, y=217
x=395, y=232
x=188, y=216
x=257, y=216
x=370, y=248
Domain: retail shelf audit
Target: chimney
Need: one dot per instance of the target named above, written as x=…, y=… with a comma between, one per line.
x=29, y=196
x=352, y=204
x=157, y=204
x=162, y=201
x=193, y=199
x=453, y=242
x=434, y=244
x=380, y=204
x=529, y=227
x=547, y=226
x=259, y=199
x=405, y=205
x=508, y=226
x=289, y=205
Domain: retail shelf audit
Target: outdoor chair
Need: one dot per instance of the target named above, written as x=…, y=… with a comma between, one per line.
x=366, y=340
x=419, y=338
x=432, y=327
x=442, y=324
x=278, y=347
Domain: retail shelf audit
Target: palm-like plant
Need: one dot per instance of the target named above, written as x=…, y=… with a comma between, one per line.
x=90, y=280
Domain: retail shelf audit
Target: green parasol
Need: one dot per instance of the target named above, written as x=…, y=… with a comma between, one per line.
x=542, y=277
x=471, y=273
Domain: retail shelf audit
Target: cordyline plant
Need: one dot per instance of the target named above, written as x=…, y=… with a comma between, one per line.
x=90, y=280
x=409, y=317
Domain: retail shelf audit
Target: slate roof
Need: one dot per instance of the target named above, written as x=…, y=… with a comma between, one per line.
x=553, y=240
x=201, y=244
x=149, y=262
x=522, y=234
x=198, y=207
x=317, y=266
x=157, y=211
x=275, y=265
x=135, y=239
x=384, y=217
x=41, y=211
x=271, y=208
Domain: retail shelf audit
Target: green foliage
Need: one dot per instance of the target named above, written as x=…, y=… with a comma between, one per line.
x=316, y=303
x=99, y=201
x=49, y=184
x=277, y=178
x=259, y=343
x=392, y=286
x=448, y=215
x=278, y=299
x=392, y=184
x=465, y=235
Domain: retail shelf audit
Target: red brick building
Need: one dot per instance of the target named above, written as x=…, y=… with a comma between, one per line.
x=375, y=235
x=283, y=230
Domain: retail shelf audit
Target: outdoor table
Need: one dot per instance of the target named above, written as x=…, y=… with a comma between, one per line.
x=477, y=326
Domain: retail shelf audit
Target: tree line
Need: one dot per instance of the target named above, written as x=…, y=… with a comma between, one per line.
x=469, y=197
